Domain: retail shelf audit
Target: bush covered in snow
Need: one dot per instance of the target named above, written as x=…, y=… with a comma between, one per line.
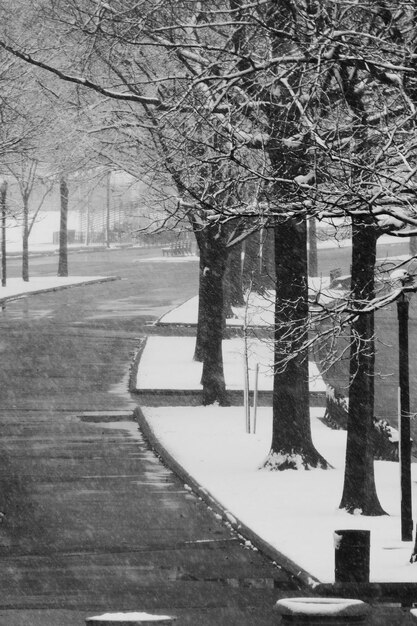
x=385, y=437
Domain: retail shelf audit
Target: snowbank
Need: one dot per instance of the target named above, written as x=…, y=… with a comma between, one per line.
x=294, y=511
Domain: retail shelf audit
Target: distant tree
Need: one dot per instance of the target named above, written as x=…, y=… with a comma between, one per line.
x=268, y=100
x=63, y=233
x=25, y=170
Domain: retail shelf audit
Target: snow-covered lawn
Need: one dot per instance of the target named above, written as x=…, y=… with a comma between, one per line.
x=168, y=259
x=294, y=511
x=167, y=363
x=16, y=286
x=260, y=309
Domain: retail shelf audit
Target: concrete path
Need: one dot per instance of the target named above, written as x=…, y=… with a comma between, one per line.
x=93, y=522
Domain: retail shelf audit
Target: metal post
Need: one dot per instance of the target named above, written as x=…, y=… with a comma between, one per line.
x=255, y=398
x=108, y=199
x=3, y=191
x=405, y=441
x=246, y=389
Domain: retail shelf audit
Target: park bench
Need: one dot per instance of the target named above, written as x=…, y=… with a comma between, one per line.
x=178, y=248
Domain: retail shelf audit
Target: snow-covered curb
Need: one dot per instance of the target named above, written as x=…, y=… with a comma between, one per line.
x=294, y=512
x=167, y=363
x=168, y=259
x=17, y=288
x=259, y=313
x=245, y=533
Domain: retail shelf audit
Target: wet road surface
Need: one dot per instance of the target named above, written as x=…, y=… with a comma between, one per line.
x=93, y=521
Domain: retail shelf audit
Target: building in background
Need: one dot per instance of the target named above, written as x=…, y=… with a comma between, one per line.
x=104, y=208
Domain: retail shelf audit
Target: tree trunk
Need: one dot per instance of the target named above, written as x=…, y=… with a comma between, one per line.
x=202, y=313
x=63, y=231
x=253, y=268
x=312, y=247
x=413, y=246
x=233, y=288
x=292, y=446
x=359, y=491
x=268, y=257
x=211, y=315
x=25, y=240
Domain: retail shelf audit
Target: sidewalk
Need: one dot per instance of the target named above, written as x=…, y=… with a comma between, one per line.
x=94, y=522
x=291, y=515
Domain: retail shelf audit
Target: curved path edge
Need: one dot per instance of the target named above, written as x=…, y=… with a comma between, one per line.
x=23, y=294
x=371, y=591
x=244, y=531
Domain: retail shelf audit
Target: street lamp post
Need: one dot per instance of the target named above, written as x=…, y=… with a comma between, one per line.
x=403, y=304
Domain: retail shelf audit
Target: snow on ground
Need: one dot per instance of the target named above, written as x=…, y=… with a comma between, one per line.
x=168, y=259
x=347, y=242
x=16, y=286
x=167, y=363
x=260, y=309
x=135, y=618
x=294, y=511
x=261, y=312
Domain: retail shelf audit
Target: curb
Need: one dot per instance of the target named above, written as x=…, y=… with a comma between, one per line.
x=193, y=397
x=71, y=249
x=234, y=396
x=301, y=576
x=133, y=373
x=23, y=294
x=404, y=593
x=159, y=322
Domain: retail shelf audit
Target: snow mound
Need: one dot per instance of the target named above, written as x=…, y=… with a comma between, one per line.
x=134, y=618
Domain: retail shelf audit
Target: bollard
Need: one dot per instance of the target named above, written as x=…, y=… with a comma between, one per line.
x=352, y=554
x=319, y=611
x=129, y=619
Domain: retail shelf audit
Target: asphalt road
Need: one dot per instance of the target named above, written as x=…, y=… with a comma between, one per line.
x=93, y=521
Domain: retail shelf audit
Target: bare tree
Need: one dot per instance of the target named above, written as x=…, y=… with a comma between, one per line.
x=275, y=115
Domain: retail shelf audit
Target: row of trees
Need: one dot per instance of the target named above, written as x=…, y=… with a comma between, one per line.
x=44, y=144
x=246, y=116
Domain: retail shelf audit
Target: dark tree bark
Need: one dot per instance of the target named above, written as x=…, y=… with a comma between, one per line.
x=312, y=247
x=268, y=257
x=233, y=288
x=292, y=446
x=63, y=231
x=202, y=317
x=211, y=314
x=359, y=491
x=254, y=274
x=25, y=239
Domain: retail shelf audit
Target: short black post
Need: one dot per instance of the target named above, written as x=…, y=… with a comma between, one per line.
x=352, y=555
